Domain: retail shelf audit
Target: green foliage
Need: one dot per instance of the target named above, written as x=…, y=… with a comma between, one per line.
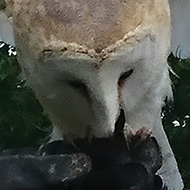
x=179, y=111
x=22, y=122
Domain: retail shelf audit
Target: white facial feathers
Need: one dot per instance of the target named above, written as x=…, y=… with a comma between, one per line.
x=83, y=97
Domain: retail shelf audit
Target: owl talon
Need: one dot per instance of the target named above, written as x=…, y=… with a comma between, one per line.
x=134, y=138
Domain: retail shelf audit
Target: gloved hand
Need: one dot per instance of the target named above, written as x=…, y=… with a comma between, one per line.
x=35, y=172
x=105, y=163
x=116, y=165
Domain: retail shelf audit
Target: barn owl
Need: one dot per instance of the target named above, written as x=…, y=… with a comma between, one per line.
x=88, y=60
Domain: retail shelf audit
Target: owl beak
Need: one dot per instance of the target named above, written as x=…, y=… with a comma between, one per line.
x=120, y=123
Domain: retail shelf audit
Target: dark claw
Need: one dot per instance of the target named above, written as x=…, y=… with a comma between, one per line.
x=57, y=147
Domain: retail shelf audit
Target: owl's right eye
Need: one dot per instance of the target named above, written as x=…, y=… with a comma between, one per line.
x=124, y=76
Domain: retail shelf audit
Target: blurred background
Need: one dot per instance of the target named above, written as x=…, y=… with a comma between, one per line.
x=23, y=122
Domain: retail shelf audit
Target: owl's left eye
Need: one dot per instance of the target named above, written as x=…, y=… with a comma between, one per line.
x=124, y=76
x=77, y=85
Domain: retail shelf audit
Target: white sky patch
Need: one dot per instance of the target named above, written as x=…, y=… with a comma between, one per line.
x=12, y=51
x=184, y=124
x=1, y=45
x=176, y=123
